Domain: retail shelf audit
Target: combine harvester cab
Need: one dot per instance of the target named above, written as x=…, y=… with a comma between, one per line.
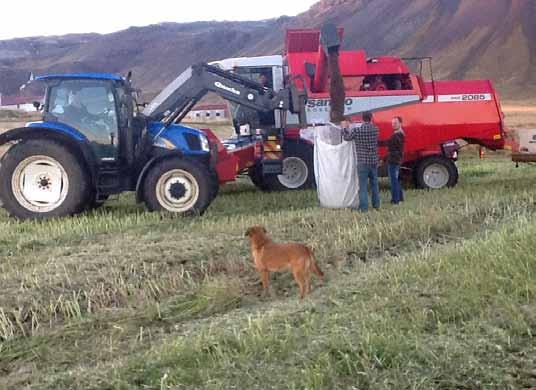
x=436, y=114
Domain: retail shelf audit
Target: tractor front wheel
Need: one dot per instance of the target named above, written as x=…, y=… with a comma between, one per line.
x=178, y=186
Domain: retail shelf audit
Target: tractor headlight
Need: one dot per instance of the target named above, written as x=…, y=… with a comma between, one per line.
x=161, y=142
x=205, y=146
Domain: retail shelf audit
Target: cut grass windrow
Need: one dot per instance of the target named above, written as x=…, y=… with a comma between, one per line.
x=455, y=317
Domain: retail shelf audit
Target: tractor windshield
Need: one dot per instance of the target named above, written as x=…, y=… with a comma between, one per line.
x=87, y=105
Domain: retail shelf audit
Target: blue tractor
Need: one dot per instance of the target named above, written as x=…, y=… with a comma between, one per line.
x=94, y=141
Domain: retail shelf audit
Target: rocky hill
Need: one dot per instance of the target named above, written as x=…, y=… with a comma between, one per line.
x=493, y=39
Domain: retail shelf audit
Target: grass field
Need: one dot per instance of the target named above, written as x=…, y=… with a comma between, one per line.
x=436, y=294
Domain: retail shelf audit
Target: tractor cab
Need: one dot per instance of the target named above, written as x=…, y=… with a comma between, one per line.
x=100, y=107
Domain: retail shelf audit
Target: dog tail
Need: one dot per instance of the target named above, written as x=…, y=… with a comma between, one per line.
x=314, y=266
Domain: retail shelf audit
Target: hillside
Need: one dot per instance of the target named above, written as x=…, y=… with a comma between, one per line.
x=465, y=42
x=156, y=54
x=493, y=39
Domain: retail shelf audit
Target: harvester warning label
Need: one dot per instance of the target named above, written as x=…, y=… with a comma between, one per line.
x=468, y=97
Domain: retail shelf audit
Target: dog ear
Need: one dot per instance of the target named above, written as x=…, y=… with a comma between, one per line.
x=264, y=230
x=248, y=232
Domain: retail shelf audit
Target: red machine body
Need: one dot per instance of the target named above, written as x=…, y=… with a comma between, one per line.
x=435, y=113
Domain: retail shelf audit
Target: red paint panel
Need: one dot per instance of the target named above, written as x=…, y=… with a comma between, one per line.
x=353, y=63
x=245, y=156
x=429, y=125
x=461, y=87
x=227, y=163
x=304, y=40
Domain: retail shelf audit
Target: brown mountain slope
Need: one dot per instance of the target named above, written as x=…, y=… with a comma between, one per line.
x=493, y=39
x=156, y=54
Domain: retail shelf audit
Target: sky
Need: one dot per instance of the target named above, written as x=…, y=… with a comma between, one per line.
x=23, y=18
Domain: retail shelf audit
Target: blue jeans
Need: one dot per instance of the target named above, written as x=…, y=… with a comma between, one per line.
x=397, y=195
x=368, y=173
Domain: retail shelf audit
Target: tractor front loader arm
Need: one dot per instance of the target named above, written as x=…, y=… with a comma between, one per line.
x=180, y=96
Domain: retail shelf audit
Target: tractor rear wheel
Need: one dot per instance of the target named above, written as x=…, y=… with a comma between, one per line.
x=42, y=179
x=179, y=186
x=435, y=173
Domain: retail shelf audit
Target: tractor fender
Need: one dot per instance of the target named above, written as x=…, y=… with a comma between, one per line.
x=76, y=143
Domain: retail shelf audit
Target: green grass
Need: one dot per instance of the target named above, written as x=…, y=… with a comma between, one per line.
x=438, y=293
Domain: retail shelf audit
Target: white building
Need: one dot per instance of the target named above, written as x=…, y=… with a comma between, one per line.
x=23, y=103
x=209, y=113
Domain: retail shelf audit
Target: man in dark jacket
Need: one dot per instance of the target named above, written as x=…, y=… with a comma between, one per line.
x=365, y=139
x=394, y=158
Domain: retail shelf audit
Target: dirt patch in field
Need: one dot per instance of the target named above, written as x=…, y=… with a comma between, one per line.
x=10, y=119
x=520, y=115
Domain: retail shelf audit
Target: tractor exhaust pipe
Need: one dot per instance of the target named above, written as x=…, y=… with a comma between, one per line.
x=331, y=42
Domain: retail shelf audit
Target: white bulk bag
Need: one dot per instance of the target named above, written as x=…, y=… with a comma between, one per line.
x=335, y=169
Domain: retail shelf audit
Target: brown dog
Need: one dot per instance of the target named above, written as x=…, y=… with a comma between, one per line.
x=270, y=257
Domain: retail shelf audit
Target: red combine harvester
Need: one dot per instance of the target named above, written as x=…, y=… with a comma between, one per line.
x=436, y=114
